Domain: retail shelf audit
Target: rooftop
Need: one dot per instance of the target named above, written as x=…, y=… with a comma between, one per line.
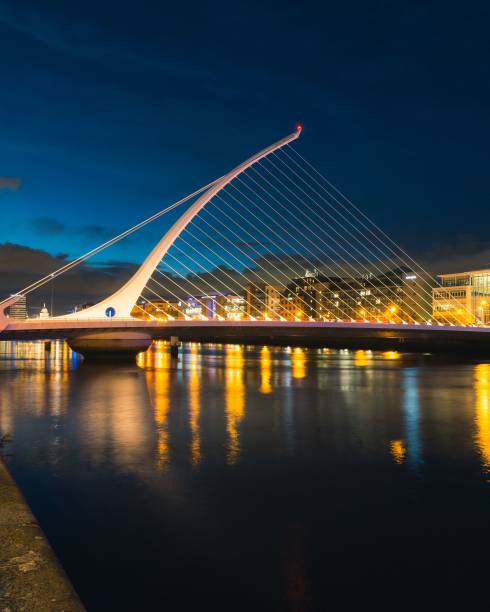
x=468, y=273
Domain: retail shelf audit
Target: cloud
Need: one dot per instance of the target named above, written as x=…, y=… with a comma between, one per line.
x=97, y=232
x=463, y=253
x=254, y=244
x=49, y=226
x=21, y=265
x=8, y=182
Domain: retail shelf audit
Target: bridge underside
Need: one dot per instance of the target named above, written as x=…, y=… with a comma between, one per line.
x=383, y=337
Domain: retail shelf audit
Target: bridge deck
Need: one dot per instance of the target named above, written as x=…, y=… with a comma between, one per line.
x=410, y=337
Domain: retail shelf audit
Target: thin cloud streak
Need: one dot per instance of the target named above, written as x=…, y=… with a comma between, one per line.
x=10, y=182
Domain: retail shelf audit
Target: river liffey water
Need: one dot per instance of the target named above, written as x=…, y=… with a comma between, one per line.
x=256, y=478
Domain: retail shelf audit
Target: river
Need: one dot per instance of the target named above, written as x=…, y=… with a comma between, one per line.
x=256, y=478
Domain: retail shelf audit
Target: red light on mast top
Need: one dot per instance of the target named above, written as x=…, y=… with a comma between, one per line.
x=298, y=128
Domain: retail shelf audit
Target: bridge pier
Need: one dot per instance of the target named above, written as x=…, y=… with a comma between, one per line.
x=110, y=346
x=174, y=346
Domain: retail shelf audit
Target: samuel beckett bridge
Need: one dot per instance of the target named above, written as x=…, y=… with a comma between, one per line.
x=241, y=247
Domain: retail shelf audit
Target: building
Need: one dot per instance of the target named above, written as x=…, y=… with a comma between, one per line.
x=273, y=301
x=159, y=309
x=394, y=296
x=203, y=306
x=304, y=297
x=220, y=306
x=19, y=309
x=398, y=295
x=463, y=298
x=232, y=307
x=44, y=313
x=262, y=301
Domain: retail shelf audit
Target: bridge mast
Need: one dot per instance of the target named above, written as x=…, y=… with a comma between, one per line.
x=120, y=304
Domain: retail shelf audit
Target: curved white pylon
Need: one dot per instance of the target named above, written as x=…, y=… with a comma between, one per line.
x=120, y=304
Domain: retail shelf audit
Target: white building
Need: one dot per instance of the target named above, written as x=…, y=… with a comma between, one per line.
x=44, y=314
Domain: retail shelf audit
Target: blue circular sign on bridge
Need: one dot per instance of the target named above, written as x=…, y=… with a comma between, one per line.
x=110, y=312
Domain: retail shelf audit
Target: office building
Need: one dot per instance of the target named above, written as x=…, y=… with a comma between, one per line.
x=394, y=296
x=463, y=298
x=159, y=309
x=262, y=301
x=232, y=307
x=19, y=309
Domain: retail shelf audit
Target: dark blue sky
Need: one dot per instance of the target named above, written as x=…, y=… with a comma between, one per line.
x=109, y=111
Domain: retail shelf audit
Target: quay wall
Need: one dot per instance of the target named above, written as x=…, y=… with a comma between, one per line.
x=31, y=577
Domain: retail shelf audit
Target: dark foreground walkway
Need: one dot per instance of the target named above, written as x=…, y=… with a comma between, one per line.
x=31, y=577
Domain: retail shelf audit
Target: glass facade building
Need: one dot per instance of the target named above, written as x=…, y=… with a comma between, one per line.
x=463, y=297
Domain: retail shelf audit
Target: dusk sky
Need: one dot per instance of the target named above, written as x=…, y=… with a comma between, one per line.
x=109, y=111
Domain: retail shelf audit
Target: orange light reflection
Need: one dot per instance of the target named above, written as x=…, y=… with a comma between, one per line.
x=265, y=371
x=234, y=398
x=482, y=413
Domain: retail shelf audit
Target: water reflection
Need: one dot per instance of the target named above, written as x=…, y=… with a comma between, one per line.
x=362, y=358
x=41, y=377
x=230, y=450
x=482, y=413
x=298, y=361
x=234, y=398
x=398, y=450
x=110, y=416
x=265, y=370
x=195, y=402
x=41, y=356
x=411, y=410
x=44, y=381
x=156, y=362
x=391, y=355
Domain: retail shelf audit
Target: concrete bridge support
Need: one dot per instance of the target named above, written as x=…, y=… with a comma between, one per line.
x=174, y=346
x=110, y=346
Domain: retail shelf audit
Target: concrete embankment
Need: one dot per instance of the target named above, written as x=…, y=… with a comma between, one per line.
x=31, y=577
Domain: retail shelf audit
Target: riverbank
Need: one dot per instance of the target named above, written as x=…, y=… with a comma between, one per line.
x=31, y=577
